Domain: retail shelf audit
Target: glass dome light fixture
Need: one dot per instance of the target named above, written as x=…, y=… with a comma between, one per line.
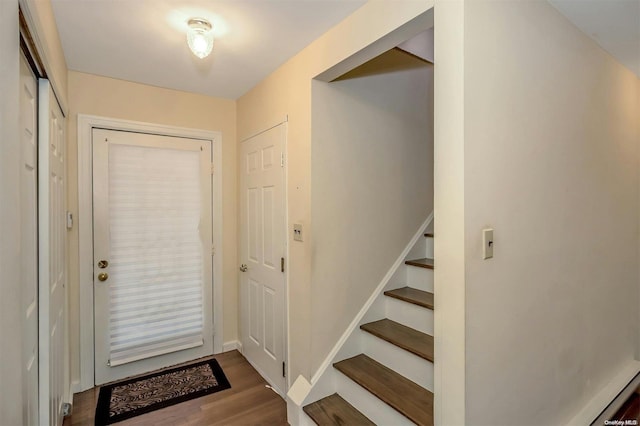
x=200, y=37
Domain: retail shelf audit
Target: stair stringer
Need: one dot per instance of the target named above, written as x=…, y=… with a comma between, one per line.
x=325, y=381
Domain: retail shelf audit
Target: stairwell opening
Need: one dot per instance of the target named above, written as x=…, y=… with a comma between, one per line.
x=371, y=183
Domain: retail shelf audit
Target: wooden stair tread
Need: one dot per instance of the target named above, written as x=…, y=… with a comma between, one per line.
x=429, y=235
x=404, y=337
x=412, y=295
x=408, y=398
x=421, y=263
x=333, y=410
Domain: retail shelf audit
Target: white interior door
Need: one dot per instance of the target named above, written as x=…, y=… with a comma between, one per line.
x=263, y=246
x=29, y=243
x=152, y=252
x=52, y=263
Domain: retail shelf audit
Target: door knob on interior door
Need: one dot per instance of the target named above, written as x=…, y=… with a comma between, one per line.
x=103, y=276
x=243, y=268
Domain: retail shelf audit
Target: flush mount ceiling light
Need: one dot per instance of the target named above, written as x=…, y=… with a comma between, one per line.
x=200, y=37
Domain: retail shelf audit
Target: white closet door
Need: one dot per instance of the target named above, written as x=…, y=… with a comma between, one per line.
x=29, y=243
x=262, y=250
x=152, y=252
x=52, y=249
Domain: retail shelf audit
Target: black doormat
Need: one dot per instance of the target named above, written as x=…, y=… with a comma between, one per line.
x=130, y=398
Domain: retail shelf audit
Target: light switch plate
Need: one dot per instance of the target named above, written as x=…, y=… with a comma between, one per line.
x=487, y=243
x=297, y=232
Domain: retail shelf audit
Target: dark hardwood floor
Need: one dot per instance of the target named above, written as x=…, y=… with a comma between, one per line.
x=248, y=402
x=630, y=410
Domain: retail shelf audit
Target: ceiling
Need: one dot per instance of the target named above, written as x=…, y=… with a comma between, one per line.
x=144, y=40
x=613, y=24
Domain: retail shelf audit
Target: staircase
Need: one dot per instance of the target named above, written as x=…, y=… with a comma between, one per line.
x=384, y=374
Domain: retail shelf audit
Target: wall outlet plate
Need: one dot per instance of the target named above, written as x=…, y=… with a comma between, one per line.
x=297, y=232
x=487, y=243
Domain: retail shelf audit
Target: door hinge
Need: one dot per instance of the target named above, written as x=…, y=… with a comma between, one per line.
x=282, y=264
x=66, y=409
x=282, y=159
x=284, y=374
x=213, y=251
x=213, y=168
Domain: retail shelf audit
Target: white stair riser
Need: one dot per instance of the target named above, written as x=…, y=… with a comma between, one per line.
x=403, y=362
x=351, y=348
x=429, y=247
x=377, y=310
x=411, y=315
x=368, y=404
x=420, y=278
x=418, y=250
x=325, y=386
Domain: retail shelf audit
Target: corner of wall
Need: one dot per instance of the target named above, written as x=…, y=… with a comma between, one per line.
x=42, y=24
x=449, y=211
x=11, y=321
x=637, y=357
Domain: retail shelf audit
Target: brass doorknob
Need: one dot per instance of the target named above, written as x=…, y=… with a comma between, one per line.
x=243, y=268
x=103, y=276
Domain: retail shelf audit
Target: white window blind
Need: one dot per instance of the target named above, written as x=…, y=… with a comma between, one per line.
x=156, y=260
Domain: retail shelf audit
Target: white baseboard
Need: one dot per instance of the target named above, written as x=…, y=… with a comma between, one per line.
x=599, y=403
x=232, y=346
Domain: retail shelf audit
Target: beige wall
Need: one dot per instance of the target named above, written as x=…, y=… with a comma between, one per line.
x=551, y=163
x=11, y=320
x=372, y=187
x=287, y=91
x=106, y=97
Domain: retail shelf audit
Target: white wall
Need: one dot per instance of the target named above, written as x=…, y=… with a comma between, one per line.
x=551, y=163
x=372, y=187
x=11, y=320
x=449, y=214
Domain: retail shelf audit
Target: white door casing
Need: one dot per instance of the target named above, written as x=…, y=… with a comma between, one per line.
x=86, y=124
x=29, y=234
x=263, y=248
x=143, y=258
x=51, y=253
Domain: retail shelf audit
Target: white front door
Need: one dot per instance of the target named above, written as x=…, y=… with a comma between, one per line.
x=53, y=371
x=263, y=246
x=152, y=252
x=29, y=243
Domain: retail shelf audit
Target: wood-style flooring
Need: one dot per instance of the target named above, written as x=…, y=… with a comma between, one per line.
x=630, y=410
x=248, y=402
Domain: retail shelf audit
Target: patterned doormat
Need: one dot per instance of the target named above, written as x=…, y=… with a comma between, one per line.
x=130, y=398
